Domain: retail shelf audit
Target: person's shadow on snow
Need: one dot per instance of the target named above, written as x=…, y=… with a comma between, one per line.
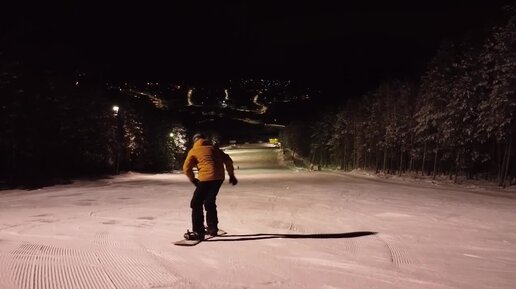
x=251, y=237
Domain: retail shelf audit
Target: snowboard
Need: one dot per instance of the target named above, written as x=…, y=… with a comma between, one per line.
x=185, y=242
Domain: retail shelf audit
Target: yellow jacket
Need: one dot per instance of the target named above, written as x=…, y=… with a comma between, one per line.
x=209, y=160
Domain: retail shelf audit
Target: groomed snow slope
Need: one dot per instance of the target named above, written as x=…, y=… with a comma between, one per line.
x=287, y=229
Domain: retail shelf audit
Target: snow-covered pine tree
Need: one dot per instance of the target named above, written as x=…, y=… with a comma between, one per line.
x=498, y=109
x=433, y=97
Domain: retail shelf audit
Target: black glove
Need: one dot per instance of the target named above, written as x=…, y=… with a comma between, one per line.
x=233, y=180
x=195, y=181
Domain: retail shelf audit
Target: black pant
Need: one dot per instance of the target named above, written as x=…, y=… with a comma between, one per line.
x=205, y=194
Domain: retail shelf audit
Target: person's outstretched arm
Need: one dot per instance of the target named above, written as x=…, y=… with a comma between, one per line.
x=228, y=163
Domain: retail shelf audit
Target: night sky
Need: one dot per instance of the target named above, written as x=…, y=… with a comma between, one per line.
x=325, y=45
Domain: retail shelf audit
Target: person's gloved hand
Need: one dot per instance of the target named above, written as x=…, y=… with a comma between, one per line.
x=233, y=180
x=195, y=181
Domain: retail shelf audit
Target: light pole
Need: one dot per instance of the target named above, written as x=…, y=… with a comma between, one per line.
x=118, y=136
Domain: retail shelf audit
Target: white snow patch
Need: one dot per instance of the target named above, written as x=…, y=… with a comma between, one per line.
x=285, y=229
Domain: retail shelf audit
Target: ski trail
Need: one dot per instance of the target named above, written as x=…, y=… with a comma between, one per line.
x=5, y=277
x=35, y=266
x=103, y=238
x=398, y=256
x=48, y=267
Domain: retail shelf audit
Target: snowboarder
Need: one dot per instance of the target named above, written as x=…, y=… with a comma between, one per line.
x=210, y=161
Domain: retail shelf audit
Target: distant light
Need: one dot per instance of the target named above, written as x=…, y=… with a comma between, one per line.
x=116, y=108
x=76, y=83
x=189, y=97
x=171, y=134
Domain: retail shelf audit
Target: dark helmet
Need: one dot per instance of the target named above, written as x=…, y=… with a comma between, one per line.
x=197, y=136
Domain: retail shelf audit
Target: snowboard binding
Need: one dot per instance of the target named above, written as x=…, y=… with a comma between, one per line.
x=193, y=236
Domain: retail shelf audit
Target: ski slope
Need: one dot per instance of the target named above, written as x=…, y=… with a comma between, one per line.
x=287, y=229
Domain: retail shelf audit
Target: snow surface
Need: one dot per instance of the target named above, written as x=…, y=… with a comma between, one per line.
x=287, y=229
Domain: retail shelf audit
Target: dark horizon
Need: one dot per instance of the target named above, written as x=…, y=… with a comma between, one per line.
x=330, y=46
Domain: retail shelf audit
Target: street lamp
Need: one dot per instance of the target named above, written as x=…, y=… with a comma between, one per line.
x=118, y=137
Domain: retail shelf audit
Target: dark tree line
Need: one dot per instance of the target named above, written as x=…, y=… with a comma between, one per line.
x=56, y=125
x=457, y=120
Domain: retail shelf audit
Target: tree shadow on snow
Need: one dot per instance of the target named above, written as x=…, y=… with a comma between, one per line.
x=251, y=237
